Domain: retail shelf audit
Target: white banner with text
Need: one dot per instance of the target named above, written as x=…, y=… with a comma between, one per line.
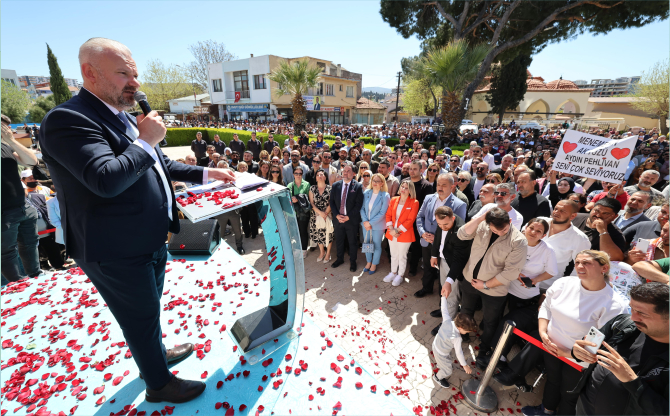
x=592, y=156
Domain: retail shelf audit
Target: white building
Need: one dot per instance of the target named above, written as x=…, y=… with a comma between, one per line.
x=185, y=105
x=249, y=78
x=10, y=76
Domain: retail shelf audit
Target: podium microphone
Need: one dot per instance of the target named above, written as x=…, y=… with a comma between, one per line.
x=141, y=99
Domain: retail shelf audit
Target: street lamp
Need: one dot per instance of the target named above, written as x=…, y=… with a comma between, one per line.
x=195, y=101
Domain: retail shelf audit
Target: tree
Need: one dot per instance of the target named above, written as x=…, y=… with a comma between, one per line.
x=40, y=108
x=207, y=52
x=295, y=79
x=15, y=102
x=59, y=87
x=418, y=99
x=508, y=85
x=652, y=93
x=513, y=27
x=452, y=67
x=163, y=83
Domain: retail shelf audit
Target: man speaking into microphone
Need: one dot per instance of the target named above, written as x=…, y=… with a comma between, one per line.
x=117, y=204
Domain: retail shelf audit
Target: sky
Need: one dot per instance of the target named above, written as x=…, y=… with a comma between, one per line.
x=351, y=33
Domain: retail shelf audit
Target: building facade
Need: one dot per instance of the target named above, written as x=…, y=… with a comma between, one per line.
x=242, y=90
x=27, y=80
x=9, y=75
x=549, y=103
x=188, y=105
x=609, y=87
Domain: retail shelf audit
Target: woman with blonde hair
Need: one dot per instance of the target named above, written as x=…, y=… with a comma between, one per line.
x=573, y=305
x=276, y=151
x=364, y=175
x=373, y=217
x=400, y=217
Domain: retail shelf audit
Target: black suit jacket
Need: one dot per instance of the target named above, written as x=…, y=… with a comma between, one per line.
x=112, y=199
x=354, y=200
x=456, y=251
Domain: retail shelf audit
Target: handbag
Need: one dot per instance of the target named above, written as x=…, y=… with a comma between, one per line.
x=302, y=207
x=368, y=247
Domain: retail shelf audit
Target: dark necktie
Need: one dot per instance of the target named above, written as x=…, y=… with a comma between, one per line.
x=129, y=129
x=344, y=200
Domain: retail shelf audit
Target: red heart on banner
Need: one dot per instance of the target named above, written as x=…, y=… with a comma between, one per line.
x=569, y=147
x=620, y=153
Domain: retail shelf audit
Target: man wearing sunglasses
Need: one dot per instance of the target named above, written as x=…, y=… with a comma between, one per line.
x=454, y=164
x=503, y=195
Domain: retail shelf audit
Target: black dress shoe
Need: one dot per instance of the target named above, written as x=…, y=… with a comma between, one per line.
x=241, y=250
x=247, y=235
x=352, y=268
x=412, y=273
x=176, y=391
x=507, y=377
x=178, y=353
x=435, y=330
x=422, y=292
x=437, y=313
x=336, y=263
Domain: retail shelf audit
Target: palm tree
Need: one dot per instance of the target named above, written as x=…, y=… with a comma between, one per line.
x=295, y=79
x=453, y=67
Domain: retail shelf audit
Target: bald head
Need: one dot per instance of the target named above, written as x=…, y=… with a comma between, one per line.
x=109, y=72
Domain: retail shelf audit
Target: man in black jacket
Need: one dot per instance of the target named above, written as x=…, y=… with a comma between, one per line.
x=629, y=375
x=199, y=146
x=270, y=144
x=237, y=145
x=254, y=146
x=451, y=254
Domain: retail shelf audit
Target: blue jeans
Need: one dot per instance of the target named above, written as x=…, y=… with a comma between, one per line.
x=20, y=257
x=377, y=236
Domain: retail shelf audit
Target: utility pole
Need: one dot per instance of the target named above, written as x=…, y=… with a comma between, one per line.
x=397, y=98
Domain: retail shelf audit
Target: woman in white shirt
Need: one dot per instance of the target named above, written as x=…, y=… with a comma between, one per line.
x=540, y=266
x=573, y=305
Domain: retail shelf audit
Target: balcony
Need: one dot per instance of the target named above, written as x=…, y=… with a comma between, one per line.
x=314, y=91
x=244, y=94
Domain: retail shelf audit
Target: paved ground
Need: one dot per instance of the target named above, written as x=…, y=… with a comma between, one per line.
x=386, y=328
x=383, y=326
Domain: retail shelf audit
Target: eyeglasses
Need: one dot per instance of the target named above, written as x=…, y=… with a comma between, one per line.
x=316, y=161
x=454, y=161
x=433, y=170
x=297, y=173
x=478, y=169
x=500, y=193
x=462, y=180
x=366, y=176
x=490, y=181
x=275, y=172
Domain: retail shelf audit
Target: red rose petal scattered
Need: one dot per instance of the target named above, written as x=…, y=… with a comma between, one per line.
x=219, y=384
x=203, y=375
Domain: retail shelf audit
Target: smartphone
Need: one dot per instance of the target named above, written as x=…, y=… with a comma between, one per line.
x=526, y=281
x=642, y=245
x=595, y=337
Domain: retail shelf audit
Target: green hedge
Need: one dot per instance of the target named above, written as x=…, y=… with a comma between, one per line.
x=184, y=137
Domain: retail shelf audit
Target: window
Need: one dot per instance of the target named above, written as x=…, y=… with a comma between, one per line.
x=340, y=87
x=330, y=89
x=350, y=91
x=319, y=89
x=241, y=81
x=322, y=66
x=259, y=82
x=216, y=85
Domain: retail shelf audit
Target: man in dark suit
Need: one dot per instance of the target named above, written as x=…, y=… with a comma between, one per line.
x=117, y=205
x=346, y=200
x=451, y=254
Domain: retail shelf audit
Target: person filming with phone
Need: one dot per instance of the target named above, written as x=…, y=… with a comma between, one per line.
x=629, y=373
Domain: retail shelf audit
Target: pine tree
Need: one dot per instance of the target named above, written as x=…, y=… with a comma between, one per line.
x=58, y=85
x=508, y=85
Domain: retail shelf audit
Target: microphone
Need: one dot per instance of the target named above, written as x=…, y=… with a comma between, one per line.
x=141, y=99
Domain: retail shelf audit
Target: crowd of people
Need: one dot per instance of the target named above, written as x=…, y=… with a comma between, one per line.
x=501, y=230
